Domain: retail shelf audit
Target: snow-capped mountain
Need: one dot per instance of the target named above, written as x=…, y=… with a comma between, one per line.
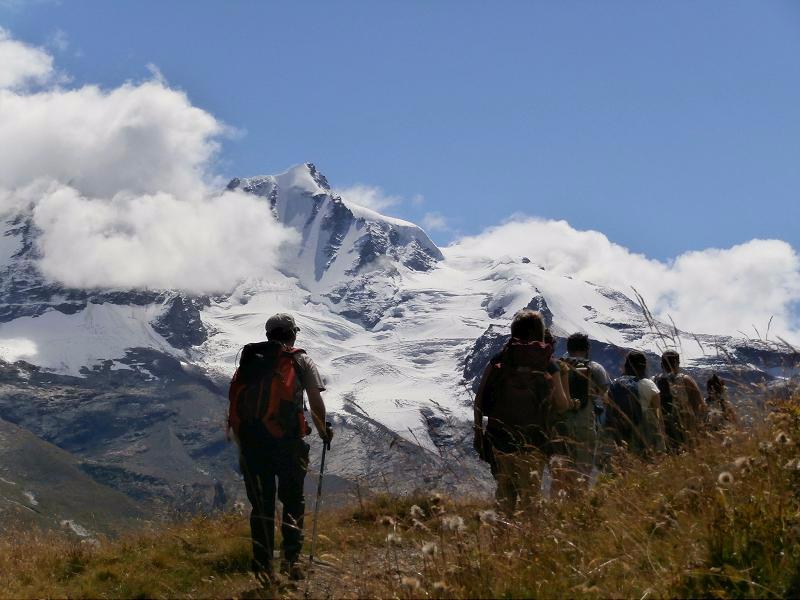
x=133, y=383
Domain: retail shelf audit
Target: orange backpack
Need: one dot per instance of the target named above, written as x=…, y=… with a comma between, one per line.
x=262, y=394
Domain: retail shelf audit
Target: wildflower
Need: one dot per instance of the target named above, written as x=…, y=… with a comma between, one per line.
x=393, y=539
x=487, y=517
x=453, y=523
x=416, y=512
x=725, y=478
x=430, y=549
x=782, y=439
x=410, y=583
x=387, y=521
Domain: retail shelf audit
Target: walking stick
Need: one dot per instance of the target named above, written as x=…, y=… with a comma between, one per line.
x=325, y=447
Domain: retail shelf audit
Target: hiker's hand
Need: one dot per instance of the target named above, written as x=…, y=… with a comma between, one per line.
x=326, y=435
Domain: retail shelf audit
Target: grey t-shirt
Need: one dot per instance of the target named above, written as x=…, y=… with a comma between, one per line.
x=308, y=377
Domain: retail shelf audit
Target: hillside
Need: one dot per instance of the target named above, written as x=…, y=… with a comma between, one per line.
x=722, y=520
x=132, y=382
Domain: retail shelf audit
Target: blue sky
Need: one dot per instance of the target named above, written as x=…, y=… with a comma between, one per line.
x=667, y=126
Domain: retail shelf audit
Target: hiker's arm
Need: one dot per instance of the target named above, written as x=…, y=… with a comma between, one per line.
x=661, y=437
x=479, y=398
x=560, y=400
x=317, y=407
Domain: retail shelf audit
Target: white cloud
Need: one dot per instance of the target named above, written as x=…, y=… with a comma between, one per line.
x=58, y=40
x=434, y=221
x=120, y=182
x=714, y=290
x=156, y=241
x=368, y=196
x=22, y=65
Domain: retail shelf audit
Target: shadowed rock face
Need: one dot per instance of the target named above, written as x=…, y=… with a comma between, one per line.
x=181, y=324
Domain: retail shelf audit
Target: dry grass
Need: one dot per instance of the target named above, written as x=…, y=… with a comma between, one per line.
x=720, y=521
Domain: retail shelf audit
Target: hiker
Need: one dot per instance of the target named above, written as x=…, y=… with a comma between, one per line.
x=720, y=410
x=633, y=414
x=268, y=420
x=588, y=383
x=681, y=402
x=520, y=393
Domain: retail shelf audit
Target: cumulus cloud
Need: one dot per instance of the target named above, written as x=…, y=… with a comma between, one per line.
x=714, y=290
x=156, y=241
x=435, y=221
x=368, y=196
x=22, y=65
x=121, y=184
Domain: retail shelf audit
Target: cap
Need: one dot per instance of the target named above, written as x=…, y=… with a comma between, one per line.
x=281, y=321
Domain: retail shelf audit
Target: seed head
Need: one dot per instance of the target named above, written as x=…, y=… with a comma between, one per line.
x=416, y=512
x=782, y=439
x=487, y=517
x=725, y=478
x=742, y=462
x=387, y=521
x=765, y=447
x=393, y=539
x=410, y=583
x=430, y=549
x=727, y=441
x=453, y=523
x=440, y=587
x=436, y=498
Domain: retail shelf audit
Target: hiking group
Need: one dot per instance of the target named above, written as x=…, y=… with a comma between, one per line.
x=534, y=413
x=564, y=415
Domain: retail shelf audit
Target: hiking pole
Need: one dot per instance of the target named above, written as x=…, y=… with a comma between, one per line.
x=325, y=447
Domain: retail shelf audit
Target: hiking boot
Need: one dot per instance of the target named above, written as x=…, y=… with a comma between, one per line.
x=293, y=570
x=263, y=574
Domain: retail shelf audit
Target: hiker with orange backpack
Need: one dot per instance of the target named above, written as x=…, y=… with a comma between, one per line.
x=520, y=394
x=266, y=415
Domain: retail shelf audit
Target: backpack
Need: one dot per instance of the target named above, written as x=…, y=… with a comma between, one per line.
x=519, y=409
x=261, y=396
x=625, y=414
x=678, y=415
x=581, y=383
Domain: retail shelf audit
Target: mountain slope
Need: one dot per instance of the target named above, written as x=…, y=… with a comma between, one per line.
x=133, y=382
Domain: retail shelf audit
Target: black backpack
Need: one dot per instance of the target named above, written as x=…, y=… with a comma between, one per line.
x=580, y=379
x=624, y=416
x=518, y=400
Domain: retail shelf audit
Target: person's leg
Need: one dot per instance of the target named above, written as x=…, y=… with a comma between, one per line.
x=529, y=467
x=260, y=486
x=506, y=493
x=290, y=493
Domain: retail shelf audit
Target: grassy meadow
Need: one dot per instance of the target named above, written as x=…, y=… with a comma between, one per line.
x=722, y=520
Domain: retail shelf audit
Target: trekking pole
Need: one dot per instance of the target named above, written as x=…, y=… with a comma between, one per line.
x=325, y=447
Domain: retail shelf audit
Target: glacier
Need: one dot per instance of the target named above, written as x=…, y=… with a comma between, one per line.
x=133, y=382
